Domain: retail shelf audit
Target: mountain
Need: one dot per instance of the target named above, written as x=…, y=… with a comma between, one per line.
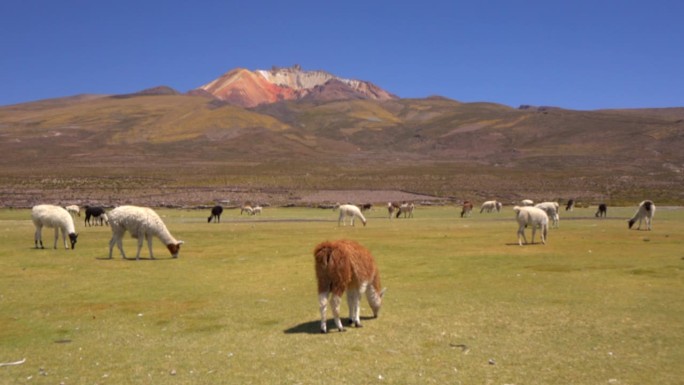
x=326, y=133
x=247, y=88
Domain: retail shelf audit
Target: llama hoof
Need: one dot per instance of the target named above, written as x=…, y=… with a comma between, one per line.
x=358, y=325
x=342, y=330
x=323, y=331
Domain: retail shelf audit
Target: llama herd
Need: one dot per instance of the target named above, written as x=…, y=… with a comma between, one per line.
x=341, y=266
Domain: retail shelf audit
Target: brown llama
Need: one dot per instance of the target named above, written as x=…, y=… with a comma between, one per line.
x=345, y=265
x=466, y=209
x=392, y=207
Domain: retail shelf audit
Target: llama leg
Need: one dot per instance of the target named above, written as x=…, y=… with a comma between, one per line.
x=64, y=239
x=353, y=299
x=119, y=244
x=336, y=301
x=521, y=235
x=38, y=237
x=56, y=236
x=323, y=305
x=140, y=237
x=534, y=230
x=149, y=245
x=111, y=246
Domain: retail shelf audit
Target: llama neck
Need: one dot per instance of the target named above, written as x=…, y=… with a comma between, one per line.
x=165, y=236
x=69, y=228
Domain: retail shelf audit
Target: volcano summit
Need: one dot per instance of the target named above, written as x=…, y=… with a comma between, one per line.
x=247, y=88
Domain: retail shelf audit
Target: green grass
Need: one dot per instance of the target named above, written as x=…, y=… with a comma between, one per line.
x=599, y=304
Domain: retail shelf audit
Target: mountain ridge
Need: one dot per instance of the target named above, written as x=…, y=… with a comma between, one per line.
x=435, y=145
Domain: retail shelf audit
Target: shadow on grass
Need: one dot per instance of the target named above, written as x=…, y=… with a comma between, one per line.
x=133, y=259
x=314, y=327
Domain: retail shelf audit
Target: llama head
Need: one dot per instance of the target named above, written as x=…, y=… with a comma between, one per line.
x=72, y=238
x=174, y=248
x=631, y=223
x=375, y=301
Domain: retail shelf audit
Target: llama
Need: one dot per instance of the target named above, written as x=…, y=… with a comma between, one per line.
x=391, y=208
x=489, y=206
x=570, y=206
x=527, y=202
x=140, y=222
x=74, y=210
x=352, y=212
x=256, y=210
x=216, y=212
x=466, y=209
x=345, y=265
x=53, y=217
x=551, y=209
x=645, y=212
x=96, y=213
x=247, y=208
x=534, y=217
x=366, y=206
x=406, y=209
x=602, y=211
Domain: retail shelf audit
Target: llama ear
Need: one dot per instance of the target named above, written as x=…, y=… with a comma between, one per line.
x=382, y=292
x=180, y=243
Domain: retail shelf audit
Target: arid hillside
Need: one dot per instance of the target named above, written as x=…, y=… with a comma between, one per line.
x=171, y=148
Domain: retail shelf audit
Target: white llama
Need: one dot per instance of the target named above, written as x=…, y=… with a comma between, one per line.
x=645, y=212
x=533, y=217
x=142, y=223
x=350, y=211
x=53, y=217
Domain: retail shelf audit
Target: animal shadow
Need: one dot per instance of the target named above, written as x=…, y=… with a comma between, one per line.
x=314, y=327
x=133, y=259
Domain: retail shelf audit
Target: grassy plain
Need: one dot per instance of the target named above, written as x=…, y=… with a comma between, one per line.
x=599, y=304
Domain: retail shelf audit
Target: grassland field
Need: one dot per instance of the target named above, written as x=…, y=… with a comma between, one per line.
x=598, y=304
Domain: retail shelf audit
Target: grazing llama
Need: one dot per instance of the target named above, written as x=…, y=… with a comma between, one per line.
x=551, y=209
x=53, y=217
x=345, y=265
x=366, y=206
x=96, y=213
x=74, y=210
x=466, y=209
x=645, y=212
x=570, y=206
x=534, y=217
x=391, y=208
x=247, y=208
x=350, y=211
x=216, y=212
x=142, y=223
x=602, y=210
x=406, y=208
x=490, y=206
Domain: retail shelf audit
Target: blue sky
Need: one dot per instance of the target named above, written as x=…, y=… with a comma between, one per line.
x=573, y=54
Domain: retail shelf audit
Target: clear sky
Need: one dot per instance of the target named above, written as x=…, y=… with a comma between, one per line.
x=578, y=54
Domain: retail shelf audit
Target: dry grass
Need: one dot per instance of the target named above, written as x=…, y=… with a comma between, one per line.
x=430, y=146
x=465, y=304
